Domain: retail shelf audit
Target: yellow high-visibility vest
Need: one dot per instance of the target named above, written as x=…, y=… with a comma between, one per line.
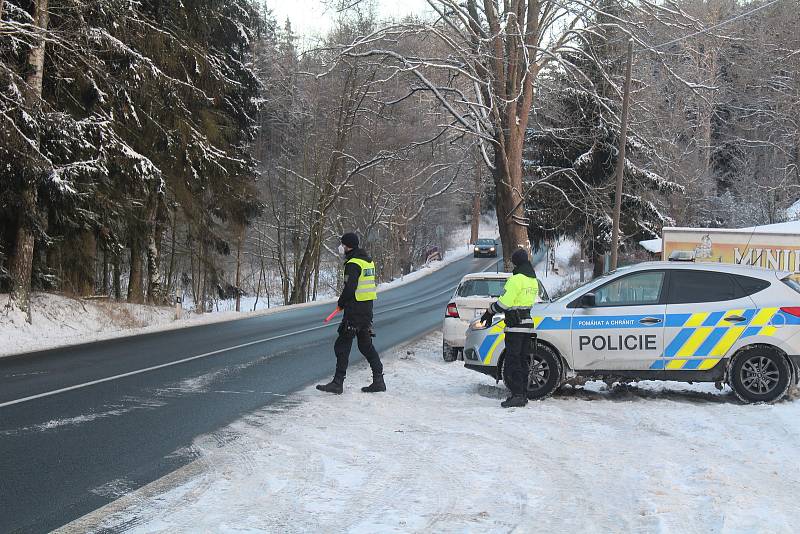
x=520, y=292
x=367, y=289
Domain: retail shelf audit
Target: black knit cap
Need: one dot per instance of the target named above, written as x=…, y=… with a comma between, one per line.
x=519, y=257
x=350, y=240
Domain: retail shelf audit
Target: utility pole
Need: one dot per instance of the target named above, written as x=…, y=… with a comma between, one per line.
x=623, y=138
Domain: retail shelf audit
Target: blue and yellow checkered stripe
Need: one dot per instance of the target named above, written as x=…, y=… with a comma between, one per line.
x=705, y=338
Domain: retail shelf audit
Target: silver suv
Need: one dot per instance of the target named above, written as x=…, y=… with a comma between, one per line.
x=688, y=322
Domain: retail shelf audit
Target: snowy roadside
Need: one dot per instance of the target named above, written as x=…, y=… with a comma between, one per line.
x=437, y=454
x=62, y=321
x=566, y=275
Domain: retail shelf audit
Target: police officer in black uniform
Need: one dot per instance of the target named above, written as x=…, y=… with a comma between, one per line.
x=356, y=300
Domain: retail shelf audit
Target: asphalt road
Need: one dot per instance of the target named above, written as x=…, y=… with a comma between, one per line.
x=125, y=414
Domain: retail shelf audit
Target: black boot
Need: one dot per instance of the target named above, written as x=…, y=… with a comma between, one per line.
x=514, y=401
x=334, y=386
x=377, y=385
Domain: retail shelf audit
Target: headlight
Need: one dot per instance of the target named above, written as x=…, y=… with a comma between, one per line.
x=477, y=324
x=491, y=249
x=477, y=249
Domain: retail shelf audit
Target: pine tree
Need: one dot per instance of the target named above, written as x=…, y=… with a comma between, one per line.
x=571, y=155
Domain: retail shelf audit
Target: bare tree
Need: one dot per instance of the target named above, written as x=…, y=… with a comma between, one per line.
x=492, y=53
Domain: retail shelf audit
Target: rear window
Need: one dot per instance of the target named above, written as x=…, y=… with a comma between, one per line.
x=793, y=281
x=481, y=288
x=686, y=287
x=749, y=286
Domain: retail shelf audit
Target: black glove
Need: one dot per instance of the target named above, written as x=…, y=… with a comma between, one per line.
x=487, y=317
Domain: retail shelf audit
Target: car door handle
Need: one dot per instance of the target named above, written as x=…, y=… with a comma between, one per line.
x=735, y=319
x=650, y=320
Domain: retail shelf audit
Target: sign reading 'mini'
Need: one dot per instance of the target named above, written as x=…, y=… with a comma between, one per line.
x=774, y=247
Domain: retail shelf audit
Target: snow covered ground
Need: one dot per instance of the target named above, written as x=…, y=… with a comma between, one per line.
x=436, y=453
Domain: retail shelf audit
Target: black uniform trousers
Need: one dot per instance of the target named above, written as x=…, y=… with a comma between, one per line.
x=344, y=343
x=517, y=362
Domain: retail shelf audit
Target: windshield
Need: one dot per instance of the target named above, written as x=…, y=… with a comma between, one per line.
x=793, y=281
x=482, y=288
x=485, y=242
x=573, y=293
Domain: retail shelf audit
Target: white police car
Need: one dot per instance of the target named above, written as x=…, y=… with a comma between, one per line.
x=662, y=321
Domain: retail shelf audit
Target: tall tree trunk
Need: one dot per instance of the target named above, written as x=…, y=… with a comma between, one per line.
x=117, y=275
x=509, y=205
x=239, y=270
x=316, y=270
x=87, y=275
x=171, y=271
x=305, y=268
x=22, y=255
x=135, y=283
x=258, y=283
x=476, y=203
x=104, y=286
x=154, y=284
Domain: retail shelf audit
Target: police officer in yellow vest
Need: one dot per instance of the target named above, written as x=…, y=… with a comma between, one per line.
x=519, y=295
x=360, y=291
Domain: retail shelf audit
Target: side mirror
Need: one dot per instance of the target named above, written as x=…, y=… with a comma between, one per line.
x=589, y=300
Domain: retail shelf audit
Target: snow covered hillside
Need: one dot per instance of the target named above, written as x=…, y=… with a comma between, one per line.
x=436, y=453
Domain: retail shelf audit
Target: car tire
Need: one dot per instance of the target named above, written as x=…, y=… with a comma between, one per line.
x=449, y=354
x=545, y=372
x=760, y=374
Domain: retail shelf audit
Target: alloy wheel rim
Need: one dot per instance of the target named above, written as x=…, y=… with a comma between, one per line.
x=538, y=374
x=759, y=375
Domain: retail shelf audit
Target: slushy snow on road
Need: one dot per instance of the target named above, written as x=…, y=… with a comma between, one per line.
x=436, y=453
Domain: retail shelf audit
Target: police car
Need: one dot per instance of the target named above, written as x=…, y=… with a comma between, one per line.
x=662, y=321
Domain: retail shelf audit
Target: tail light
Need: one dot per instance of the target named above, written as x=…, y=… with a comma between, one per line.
x=792, y=310
x=452, y=311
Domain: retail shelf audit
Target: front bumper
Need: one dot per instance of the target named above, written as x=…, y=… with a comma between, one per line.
x=483, y=346
x=485, y=252
x=484, y=369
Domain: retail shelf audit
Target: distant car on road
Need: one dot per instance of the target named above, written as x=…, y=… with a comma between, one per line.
x=472, y=297
x=485, y=247
x=689, y=322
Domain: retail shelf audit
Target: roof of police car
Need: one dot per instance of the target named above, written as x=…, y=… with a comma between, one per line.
x=706, y=266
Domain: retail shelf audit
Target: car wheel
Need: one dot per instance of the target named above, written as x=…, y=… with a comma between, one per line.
x=760, y=374
x=449, y=354
x=544, y=374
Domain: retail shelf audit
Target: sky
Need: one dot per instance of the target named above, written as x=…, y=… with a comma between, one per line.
x=311, y=17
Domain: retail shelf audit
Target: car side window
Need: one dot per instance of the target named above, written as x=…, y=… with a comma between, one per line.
x=632, y=290
x=691, y=286
x=749, y=286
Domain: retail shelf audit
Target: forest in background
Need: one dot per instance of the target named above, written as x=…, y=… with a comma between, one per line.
x=164, y=147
